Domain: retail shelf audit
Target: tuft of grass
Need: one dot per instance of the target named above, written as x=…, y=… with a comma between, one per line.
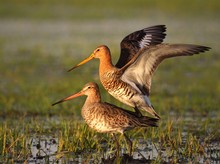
x=173, y=141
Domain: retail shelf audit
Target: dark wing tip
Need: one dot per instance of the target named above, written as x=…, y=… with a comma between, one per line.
x=138, y=40
x=172, y=50
x=196, y=49
x=149, y=35
x=157, y=35
x=204, y=48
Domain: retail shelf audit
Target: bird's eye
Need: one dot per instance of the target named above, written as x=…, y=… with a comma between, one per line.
x=97, y=50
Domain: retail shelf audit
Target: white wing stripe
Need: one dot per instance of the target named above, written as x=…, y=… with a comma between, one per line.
x=145, y=41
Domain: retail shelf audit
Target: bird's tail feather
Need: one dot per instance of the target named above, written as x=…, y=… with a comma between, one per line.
x=148, y=121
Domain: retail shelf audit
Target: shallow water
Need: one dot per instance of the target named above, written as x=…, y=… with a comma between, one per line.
x=44, y=149
x=43, y=146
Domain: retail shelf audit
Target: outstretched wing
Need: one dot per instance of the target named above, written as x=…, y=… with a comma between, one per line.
x=138, y=40
x=139, y=73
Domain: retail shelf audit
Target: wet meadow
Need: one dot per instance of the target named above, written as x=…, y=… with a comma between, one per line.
x=40, y=40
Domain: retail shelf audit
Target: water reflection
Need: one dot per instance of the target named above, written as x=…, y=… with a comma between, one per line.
x=44, y=149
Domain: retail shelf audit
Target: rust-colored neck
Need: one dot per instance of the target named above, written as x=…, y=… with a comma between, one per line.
x=105, y=64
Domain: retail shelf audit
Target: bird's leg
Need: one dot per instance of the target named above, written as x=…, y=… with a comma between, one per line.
x=117, y=144
x=129, y=142
x=137, y=111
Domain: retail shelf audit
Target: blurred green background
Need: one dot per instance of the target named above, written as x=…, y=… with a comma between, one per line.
x=96, y=9
x=41, y=39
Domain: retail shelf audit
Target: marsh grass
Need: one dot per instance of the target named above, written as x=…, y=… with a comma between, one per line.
x=172, y=141
x=37, y=47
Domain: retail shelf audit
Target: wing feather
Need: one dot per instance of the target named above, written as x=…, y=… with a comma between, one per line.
x=138, y=40
x=140, y=72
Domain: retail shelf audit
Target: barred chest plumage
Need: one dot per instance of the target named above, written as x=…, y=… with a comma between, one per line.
x=118, y=88
x=98, y=117
x=92, y=118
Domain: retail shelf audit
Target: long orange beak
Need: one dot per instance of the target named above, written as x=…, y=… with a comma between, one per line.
x=69, y=98
x=83, y=62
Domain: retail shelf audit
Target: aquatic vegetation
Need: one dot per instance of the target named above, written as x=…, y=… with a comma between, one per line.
x=61, y=139
x=37, y=49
